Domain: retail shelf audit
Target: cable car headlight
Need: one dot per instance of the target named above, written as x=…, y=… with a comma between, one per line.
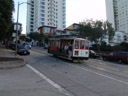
x=76, y=52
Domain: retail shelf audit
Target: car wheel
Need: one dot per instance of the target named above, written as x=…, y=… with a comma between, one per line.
x=119, y=61
x=104, y=59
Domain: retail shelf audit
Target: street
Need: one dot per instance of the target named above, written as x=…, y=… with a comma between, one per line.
x=45, y=75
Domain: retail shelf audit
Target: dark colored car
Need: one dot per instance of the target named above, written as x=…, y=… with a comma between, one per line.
x=27, y=45
x=93, y=54
x=46, y=47
x=120, y=57
x=22, y=50
x=12, y=45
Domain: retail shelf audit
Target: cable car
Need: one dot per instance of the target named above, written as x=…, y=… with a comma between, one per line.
x=69, y=48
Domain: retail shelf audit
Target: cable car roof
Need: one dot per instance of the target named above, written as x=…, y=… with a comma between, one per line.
x=69, y=38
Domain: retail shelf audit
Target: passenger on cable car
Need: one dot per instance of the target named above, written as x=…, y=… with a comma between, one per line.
x=69, y=50
x=66, y=48
x=62, y=47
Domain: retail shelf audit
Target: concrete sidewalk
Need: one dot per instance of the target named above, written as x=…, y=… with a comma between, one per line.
x=8, y=60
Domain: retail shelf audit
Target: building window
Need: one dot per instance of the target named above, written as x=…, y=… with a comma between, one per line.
x=43, y=3
x=32, y=15
x=32, y=8
x=63, y=26
x=42, y=11
x=42, y=19
x=42, y=7
x=42, y=23
x=31, y=22
x=46, y=30
x=42, y=15
x=31, y=30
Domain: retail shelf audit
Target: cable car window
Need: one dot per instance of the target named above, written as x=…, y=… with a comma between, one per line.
x=50, y=42
x=82, y=45
x=54, y=42
x=87, y=45
x=77, y=44
x=57, y=42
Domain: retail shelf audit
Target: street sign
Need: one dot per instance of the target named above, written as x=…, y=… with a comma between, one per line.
x=13, y=34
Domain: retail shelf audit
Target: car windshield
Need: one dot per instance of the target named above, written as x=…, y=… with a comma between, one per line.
x=27, y=44
x=92, y=51
x=21, y=47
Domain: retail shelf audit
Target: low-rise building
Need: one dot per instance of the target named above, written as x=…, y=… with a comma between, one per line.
x=49, y=30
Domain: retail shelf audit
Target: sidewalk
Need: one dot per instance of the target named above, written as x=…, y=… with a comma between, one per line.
x=8, y=60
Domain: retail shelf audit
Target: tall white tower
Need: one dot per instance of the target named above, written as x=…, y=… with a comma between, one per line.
x=117, y=14
x=46, y=12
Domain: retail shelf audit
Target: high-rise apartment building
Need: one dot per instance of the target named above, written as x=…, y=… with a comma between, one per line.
x=117, y=14
x=46, y=12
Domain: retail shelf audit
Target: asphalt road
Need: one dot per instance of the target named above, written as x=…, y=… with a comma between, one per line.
x=46, y=75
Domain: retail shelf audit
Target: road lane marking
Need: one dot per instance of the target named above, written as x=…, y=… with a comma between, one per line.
x=93, y=72
x=101, y=68
x=48, y=80
x=100, y=74
x=104, y=65
x=45, y=78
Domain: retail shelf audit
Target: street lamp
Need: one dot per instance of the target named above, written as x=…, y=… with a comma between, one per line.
x=17, y=23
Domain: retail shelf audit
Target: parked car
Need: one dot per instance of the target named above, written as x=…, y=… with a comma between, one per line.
x=21, y=50
x=120, y=57
x=93, y=54
x=45, y=46
x=12, y=45
x=27, y=45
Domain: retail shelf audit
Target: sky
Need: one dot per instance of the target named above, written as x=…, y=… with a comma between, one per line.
x=76, y=11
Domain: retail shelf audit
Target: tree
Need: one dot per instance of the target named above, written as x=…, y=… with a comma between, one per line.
x=46, y=38
x=110, y=31
x=23, y=37
x=92, y=30
x=85, y=29
x=40, y=38
x=124, y=46
x=33, y=35
x=6, y=9
x=95, y=31
x=37, y=37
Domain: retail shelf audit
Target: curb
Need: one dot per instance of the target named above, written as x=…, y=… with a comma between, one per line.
x=6, y=68
x=16, y=65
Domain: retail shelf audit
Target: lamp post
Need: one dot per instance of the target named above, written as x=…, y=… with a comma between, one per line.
x=17, y=24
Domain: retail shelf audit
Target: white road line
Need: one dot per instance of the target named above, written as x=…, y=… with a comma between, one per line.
x=95, y=72
x=45, y=78
x=100, y=74
x=101, y=68
x=48, y=80
x=104, y=65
